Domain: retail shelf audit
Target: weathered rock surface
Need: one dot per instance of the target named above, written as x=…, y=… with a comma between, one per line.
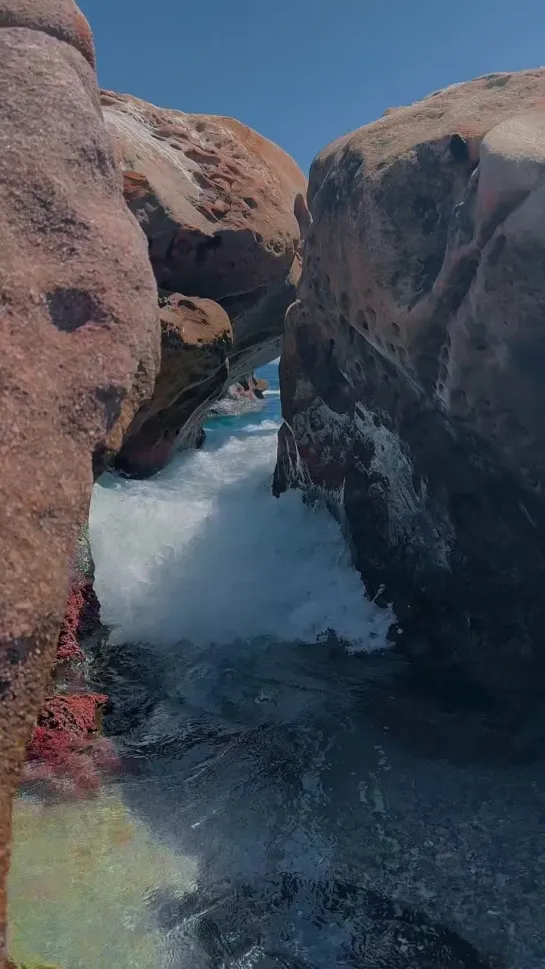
x=196, y=339
x=224, y=212
x=78, y=338
x=412, y=373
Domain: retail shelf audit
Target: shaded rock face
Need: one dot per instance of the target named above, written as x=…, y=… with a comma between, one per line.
x=413, y=362
x=223, y=210
x=196, y=338
x=79, y=342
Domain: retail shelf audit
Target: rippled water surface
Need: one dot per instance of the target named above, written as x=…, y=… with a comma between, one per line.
x=293, y=797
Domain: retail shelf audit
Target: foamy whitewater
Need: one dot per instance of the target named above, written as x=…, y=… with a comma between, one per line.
x=204, y=552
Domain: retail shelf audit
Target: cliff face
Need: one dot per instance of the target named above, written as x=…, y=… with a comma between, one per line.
x=79, y=342
x=413, y=362
x=223, y=210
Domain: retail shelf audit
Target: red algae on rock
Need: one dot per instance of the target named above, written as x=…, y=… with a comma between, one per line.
x=76, y=713
x=65, y=753
x=81, y=617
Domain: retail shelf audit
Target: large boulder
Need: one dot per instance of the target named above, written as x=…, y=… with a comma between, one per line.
x=223, y=210
x=196, y=338
x=79, y=342
x=412, y=373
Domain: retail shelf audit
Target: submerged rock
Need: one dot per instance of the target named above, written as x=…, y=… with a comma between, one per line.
x=295, y=923
x=79, y=342
x=412, y=369
x=81, y=873
x=31, y=965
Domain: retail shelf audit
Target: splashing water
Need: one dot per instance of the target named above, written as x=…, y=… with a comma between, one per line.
x=203, y=552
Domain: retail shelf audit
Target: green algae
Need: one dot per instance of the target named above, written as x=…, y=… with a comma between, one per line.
x=80, y=877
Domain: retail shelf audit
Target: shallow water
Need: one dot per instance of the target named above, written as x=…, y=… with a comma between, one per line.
x=291, y=798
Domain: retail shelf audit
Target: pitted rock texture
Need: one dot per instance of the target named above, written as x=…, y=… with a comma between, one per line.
x=412, y=368
x=79, y=341
x=196, y=338
x=224, y=212
x=61, y=19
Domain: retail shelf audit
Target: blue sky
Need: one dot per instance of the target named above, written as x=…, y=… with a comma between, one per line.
x=304, y=72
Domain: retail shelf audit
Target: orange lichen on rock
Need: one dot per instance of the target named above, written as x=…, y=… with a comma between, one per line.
x=224, y=212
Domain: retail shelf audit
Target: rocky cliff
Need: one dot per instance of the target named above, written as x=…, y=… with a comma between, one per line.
x=412, y=373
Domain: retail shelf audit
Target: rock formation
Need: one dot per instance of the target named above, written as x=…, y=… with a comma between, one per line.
x=224, y=212
x=196, y=338
x=412, y=373
x=79, y=342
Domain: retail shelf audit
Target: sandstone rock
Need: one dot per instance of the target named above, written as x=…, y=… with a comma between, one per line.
x=412, y=369
x=223, y=209
x=78, y=338
x=196, y=338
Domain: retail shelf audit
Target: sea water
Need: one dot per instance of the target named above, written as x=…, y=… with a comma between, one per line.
x=291, y=796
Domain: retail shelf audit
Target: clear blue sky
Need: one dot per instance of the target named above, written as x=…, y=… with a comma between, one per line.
x=304, y=72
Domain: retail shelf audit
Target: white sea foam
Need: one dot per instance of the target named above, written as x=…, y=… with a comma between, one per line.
x=204, y=552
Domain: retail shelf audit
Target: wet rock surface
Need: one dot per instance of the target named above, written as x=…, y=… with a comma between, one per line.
x=411, y=374
x=67, y=754
x=196, y=340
